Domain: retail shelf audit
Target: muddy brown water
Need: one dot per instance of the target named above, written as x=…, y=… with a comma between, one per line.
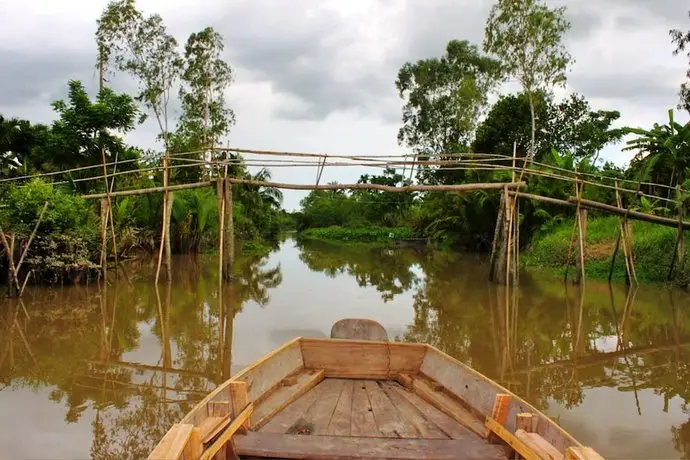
x=94, y=372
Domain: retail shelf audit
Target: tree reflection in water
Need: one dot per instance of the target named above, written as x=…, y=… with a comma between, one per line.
x=49, y=340
x=92, y=346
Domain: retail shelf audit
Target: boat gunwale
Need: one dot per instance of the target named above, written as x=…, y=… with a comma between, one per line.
x=203, y=404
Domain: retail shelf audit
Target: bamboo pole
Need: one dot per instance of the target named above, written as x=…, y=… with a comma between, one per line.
x=679, y=247
x=220, y=195
x=573, y=233
x=497, y=234
x=165, y=220
x=582, y=229
x=631, y=277
x=384, y=188
x=229, y=238
x=613, y=257
x=13, y=281
x=104, y=235
x=168, y=218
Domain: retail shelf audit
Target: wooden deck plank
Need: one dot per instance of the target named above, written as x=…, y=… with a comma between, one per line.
x=273, y=445
x=340, y=422
x=386, y=415
x=282, y=421
x=447, y=424
x=287, y=391
x=411, y=414
x=362, y=418
x=318, y=417
x=444, y=401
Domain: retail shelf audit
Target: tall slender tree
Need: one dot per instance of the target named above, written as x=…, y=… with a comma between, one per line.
x=526, y=36
x=139, y=45
x=682, y=41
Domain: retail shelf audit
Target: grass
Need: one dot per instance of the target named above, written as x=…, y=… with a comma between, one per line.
x=652, y=250
x=358, y=235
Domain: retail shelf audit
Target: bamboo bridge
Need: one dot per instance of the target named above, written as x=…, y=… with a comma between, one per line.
x=505, y=248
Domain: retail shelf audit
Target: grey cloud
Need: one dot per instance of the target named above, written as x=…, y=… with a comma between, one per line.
x=652, y=88
x=26, y=77
x=672, y=11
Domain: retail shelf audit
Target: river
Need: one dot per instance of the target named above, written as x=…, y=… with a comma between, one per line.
x=102, y=372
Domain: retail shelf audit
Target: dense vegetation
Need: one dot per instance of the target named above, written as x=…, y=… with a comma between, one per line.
x=446, y=112
x=88, y=132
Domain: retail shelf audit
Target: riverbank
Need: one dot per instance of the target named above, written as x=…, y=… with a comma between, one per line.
x=376, y=235
x=652, y=250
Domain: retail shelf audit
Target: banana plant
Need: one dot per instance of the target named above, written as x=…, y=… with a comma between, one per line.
x=663, y=150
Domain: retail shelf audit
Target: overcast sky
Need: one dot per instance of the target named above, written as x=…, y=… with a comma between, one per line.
x=318, y=75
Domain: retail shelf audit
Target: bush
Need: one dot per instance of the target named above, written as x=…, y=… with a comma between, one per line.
x=652, y=249
x=367, y=235
x=65, y=212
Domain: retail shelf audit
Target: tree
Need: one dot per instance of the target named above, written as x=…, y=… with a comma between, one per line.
x=575, y=128
x=568, y=126
x=526, y=37
x=682, y=42
x=85, y=128
x=140, y=46
x=206, y=77
x=21, y=146
x=444, y=98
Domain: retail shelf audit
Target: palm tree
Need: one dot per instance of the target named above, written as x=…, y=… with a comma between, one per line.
x=269, y=195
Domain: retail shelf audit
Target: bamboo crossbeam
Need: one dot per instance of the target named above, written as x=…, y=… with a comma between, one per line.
x=595, y=205
x=383, y=188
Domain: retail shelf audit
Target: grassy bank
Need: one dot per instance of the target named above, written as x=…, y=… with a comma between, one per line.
x=358, y=235
x=652, y=250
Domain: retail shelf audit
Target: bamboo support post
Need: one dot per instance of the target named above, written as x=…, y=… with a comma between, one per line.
x=624, y=229
x=220, y=197
x=678, y=257
x=582, y=239
x=497, y=235
x=500, y=264
x=229, y=238
x=165, y=226
x=104, y=234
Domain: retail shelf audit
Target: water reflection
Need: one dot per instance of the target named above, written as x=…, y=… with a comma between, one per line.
x=105, y=370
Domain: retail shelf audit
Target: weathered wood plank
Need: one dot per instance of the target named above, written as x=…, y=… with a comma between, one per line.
x=386, y=415
x=448, y=404
x=539, y=445
x=173, y=444
x=362, y=421
x=361, y=359
x=272, y=445
x=287, y=391
x=582, y=453
x=340, y=421
x=411, y=414
x=226, y=436
x=283, y=420
x=318, y=416
x=270, y=370
x=256, y=375
x=444, y=422
x=479, y=392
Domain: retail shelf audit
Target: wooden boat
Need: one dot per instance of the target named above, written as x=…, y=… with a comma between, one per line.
x=357, y=395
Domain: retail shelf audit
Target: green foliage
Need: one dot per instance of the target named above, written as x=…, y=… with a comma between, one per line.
x=360, y=234
x=141, y=46
x=358, y=208
x=526, y=37
x=652, y=249
x=663, y=152
x=444, y=98
x=22, y=206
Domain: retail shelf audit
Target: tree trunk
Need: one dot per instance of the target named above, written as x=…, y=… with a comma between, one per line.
x=534, y=127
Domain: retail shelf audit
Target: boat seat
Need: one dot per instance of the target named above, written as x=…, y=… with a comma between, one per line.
x=359, y=329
